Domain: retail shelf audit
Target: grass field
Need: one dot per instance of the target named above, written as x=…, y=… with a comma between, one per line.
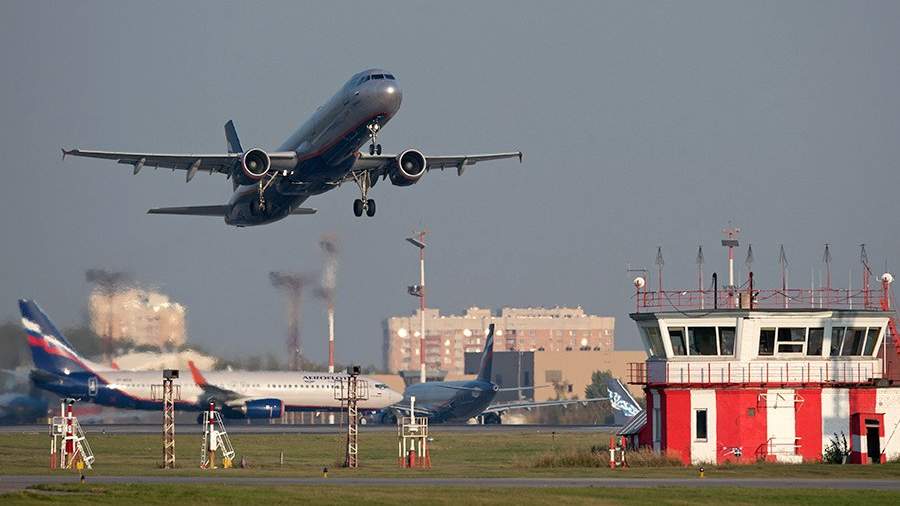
x=454, y=454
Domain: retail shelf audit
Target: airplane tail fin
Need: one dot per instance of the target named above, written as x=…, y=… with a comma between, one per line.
x=487, y=356
x=231, y=138
x=625, y=407
x=50, y=350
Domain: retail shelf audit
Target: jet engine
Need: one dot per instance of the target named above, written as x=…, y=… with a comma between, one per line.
x=263, y=408
x=408, y=169
x=255, y=163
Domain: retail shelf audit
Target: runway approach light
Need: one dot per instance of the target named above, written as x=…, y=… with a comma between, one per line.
x=639, y=282
x=887, y=277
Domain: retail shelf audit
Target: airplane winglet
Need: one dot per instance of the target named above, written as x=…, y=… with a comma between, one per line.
x=196, y=374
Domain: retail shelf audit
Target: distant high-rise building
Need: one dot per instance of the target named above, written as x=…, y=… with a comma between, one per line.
x=144, y=317
x=449, y=337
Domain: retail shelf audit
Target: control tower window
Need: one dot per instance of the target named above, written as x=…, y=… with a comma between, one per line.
x=702, y=341
x=837, y=339
x=790, y=340
x=654, y=340
x=853, y=342
x=766, y=342
x=676, y=338
x=726, y=340
x=871, y=339
x=814, y=341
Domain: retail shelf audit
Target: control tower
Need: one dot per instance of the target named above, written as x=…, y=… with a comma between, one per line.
x=768, y=375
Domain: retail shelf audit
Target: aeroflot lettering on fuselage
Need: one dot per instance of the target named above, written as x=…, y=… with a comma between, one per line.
x=311, y=378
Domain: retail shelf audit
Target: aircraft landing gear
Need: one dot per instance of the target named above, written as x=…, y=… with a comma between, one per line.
x=374, y=147
x=261, y=192
x=364, y=204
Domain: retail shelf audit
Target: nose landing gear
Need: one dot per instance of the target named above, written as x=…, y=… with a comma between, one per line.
x=364, y=204
x=374, y=147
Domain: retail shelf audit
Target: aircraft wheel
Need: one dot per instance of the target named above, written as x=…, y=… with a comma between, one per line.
x=358, y=207
x=371, y=149
x=370, y=208
x=378, y=149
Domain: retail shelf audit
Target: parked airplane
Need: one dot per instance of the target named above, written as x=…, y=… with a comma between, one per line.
x=443, y=401
x=320, y=156
x=241, y=394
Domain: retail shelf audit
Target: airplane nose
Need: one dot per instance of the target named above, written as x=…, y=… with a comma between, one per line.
x=395, y=397
x=390, y=94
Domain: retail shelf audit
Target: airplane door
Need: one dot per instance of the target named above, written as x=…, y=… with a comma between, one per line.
x=92, y=386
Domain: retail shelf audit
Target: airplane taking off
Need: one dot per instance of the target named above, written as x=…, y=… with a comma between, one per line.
x=320, y=156
x=241, y=394
x=443, y=401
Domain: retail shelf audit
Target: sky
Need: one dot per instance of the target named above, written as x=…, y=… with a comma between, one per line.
x=644, y=125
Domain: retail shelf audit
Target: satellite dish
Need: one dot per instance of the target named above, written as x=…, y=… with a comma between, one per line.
x=887, y=278
x=639, y=282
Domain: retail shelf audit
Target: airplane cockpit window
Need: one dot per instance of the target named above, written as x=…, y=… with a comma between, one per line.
x=389, y=76
x=378, y=76
x=380, y=386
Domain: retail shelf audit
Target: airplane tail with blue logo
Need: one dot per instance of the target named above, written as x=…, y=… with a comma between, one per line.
x=624, y=405
x=487, y=357
x=50, y=350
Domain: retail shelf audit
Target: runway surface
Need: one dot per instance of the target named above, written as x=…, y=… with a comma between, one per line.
x=11, y=483
x=240, y=427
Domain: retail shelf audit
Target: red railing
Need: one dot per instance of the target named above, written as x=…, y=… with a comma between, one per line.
x=761, y=373
x=793, y=298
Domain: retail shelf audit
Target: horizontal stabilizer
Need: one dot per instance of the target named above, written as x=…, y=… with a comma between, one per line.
x=304, y=210
x=191, y=210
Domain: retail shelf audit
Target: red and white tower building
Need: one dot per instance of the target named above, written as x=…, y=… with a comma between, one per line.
x=748, y=379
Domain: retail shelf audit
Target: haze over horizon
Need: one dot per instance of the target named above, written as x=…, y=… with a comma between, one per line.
x=642, y=124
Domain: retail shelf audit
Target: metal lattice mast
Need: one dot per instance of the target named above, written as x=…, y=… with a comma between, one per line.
x=864, y=260
x=351, y=390
x=168, y=393
x=659, y=268
x=783, y=262
x=292, y=284
x=168, y=424
x=749, y=260
x=826, y=257
x=700, y=274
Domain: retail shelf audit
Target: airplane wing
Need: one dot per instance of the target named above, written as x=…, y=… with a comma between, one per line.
x=214, y=210
x=501, y=407
x=419, y=411
x=379, y=164
x=193, y=163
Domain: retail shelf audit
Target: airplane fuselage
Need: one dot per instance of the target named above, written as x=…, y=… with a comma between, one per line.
x=327, y=145
x=296, y=391
x=451, y=400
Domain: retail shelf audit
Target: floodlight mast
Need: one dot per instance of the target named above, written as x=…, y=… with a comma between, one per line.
x=731, y=242
x=418, y=241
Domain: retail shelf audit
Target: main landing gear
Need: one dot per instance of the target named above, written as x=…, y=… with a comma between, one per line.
x=374, y=147
x=364, y=204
